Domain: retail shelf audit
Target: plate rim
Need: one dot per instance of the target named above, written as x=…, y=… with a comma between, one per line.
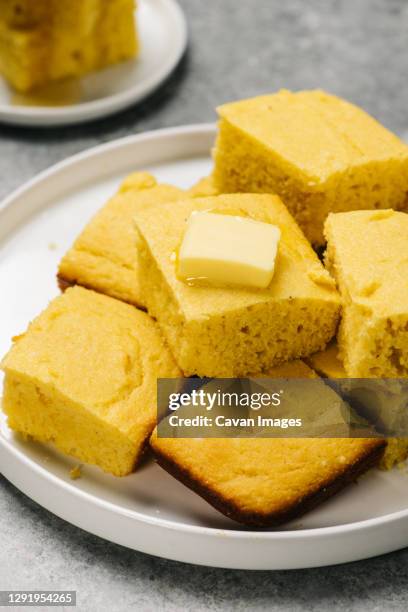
x=49, y=116
x=243, y=534
x=317, y=534
x=207, y=129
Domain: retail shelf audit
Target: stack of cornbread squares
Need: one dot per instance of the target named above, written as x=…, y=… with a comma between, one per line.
x=46, y=40
x=84, y=374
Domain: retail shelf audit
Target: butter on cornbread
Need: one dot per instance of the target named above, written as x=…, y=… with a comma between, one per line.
x=328, y=364
x=227, y=250
x=215, y=331
x=319, y=153
x=84, y=377
x=46, y=40
x=104, y=256
x=265, y=482
x=367, y=253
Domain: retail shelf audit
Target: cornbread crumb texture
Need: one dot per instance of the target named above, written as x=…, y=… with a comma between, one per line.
x=367, y=253
x=328, y=364
x=76, y=472
x=46, y=40
x=24, y=13
x=137, y=181
x=83, y=376
x=105, y=255
x=319, y=153
x=204, y=188
x=395, y=454
x=224, y=332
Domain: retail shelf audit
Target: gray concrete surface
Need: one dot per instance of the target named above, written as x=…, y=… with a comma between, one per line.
x=355, y=48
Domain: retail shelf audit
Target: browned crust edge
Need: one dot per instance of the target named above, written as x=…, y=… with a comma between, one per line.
x=257, y=519
x=64, y=283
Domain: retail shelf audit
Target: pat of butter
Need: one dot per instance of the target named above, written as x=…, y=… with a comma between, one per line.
x=228, y=250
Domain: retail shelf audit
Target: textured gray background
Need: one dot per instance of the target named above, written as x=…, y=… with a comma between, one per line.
x=355, y=48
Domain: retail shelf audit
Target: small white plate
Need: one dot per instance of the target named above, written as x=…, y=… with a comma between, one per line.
x=163, y=32
x=149, y=510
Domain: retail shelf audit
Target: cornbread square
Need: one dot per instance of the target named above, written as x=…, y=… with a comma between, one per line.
x=319, y=153
x=104, y=256
x=54, y=39
x=224, y=332
x=265, y=482
x=367, y=253
x=83, y=377
x=328, y=364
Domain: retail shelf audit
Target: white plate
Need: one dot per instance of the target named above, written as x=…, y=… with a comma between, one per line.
x=163, y=33
x=150, y=511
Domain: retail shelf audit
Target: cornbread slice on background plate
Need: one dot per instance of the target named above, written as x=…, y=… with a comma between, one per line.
x=367, y=253
x=390, y=401
x=54, y=39
x=224, y=332
x=316, y=151
x=84, y=377
x=266, y=482
x=104, y=257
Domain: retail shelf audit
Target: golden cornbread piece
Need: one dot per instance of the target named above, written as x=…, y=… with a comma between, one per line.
x=328, y=364
x=215, y=331
x=204, y=188
x=319, y=153
x=84, y=377
x=49, y=40
x=24, y=13
x=367, y=253
x=117, y=37
x=22, y=56
x=104, y=256
x=265, y=482
x=396, y=452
